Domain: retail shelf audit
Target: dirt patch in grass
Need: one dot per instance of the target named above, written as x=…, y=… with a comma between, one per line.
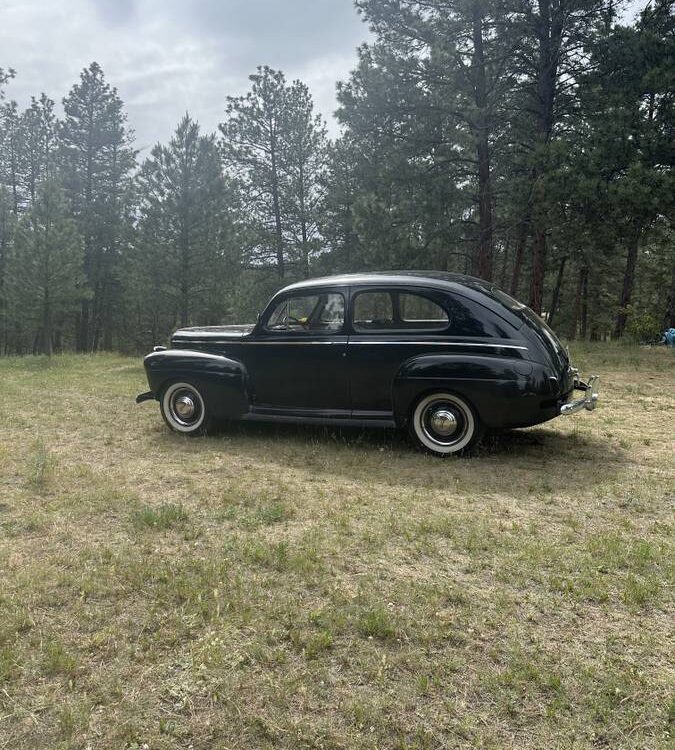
x=283, y=587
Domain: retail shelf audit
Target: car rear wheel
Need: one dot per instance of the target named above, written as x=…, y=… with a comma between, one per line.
x=184, y=409
x=443, y=424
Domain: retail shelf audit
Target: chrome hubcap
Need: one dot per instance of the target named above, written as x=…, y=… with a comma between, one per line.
x=443, y=422
x=184, y=407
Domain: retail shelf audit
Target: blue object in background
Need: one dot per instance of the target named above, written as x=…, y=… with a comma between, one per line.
x=669, y=337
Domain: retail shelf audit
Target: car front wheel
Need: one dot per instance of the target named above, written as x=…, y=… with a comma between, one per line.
x=184, y=409
x=443, y=424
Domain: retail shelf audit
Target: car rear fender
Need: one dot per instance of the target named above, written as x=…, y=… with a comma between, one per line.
x=223, y=380
x=494, y=385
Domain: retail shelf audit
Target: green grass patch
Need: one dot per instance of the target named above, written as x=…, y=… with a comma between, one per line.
x=161, y=518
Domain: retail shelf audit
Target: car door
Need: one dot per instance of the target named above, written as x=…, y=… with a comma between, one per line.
x=388, y=326
x=297, y=362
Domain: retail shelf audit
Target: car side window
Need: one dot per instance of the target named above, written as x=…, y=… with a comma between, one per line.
x=421, y=312
x=373, y=311
x=312, y=313
x=397, y=311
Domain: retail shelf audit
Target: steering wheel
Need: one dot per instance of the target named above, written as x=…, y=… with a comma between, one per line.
x=296, y=320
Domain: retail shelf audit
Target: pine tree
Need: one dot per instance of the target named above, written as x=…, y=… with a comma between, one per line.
x=341, y=189
x=622, y=160
x=6, y=218
x=252, y=146
x=303, y=159
x=97, y=160
x=275, y=146
x=7, y=224
x=45, y=282
x=5, y=77
x=37, y=148
x=554, y=37
x=408, y=171
x=184, y=256
x=10, y=147
x=452, y=60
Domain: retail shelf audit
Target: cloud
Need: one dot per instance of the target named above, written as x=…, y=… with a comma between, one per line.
x=171, y=56
x=116, y=12
x=286, y=32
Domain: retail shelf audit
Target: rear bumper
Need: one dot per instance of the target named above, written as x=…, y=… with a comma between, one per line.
x=147, y=396
x=588, y=401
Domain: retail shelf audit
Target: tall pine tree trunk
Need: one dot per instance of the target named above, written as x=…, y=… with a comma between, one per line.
x=109, y=258
x=549, y=27
x=303, y=225
x=669, y=316
x=584, y=305
x=107, y=317
x=576, y=307
x=4, y=250
x=538, y=270
x=505, y=264
x=628, y=281
x=45, y=334
x=185, y=274
x=83, y=320
x=556, y=291
x=519, y=252
x=276, y=205
x=483, y=258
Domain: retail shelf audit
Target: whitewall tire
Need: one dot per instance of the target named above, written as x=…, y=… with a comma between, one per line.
x=443, y=424
x=184, y=409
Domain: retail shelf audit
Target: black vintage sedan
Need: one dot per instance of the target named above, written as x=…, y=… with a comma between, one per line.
x=445, y=355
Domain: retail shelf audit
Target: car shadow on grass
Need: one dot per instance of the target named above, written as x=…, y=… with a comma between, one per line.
x=534, y=442
x=539, y=457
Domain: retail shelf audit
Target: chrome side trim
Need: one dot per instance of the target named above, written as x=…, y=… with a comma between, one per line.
x=444, y=343
x=297, y=343
x=414, y=342
x=274, y=343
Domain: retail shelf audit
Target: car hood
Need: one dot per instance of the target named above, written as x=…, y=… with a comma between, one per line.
x=211, y=333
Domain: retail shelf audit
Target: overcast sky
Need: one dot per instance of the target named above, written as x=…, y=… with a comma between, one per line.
x=169, y=56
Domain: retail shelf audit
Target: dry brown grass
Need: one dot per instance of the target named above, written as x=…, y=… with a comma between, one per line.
x=298, y=588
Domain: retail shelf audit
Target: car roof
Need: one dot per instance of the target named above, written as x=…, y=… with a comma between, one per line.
x=479, y=290
x=437, y=279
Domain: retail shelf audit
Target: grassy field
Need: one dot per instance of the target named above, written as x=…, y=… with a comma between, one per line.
x=288, y=587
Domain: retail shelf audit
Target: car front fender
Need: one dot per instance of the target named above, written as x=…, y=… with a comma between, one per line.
x=223, y=380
